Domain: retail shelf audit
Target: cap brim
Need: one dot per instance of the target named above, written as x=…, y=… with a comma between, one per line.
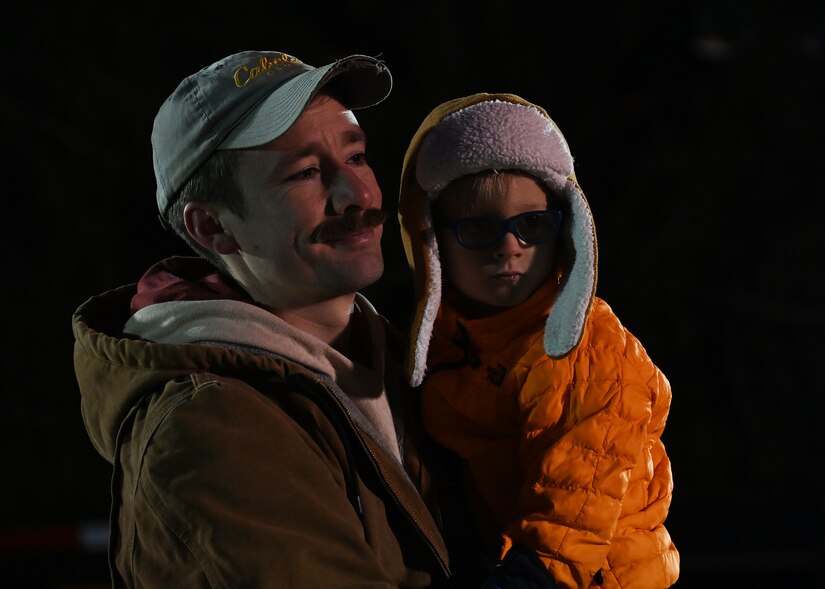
x=358, y=81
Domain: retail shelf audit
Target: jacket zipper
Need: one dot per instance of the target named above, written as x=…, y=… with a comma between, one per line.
x=399, y=503
x=385, y=482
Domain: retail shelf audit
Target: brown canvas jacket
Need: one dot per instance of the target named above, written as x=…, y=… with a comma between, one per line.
x=236, y=469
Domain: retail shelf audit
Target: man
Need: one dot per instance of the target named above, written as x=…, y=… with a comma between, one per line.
x=249, y=400
x=251, y=403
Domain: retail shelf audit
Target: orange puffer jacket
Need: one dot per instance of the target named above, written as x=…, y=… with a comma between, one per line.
x=558, y=411
x=565, y=453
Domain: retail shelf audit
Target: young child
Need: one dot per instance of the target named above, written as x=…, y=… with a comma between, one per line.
x=554, y=407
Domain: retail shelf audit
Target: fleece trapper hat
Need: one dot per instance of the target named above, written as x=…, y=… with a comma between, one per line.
x=248, y=99
x=493, y=132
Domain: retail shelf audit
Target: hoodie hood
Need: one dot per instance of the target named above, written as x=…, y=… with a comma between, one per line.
x=185, y=278
x=499, y=132
x=183, y=318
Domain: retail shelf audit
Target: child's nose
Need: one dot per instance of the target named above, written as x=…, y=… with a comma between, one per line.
x=509, y=246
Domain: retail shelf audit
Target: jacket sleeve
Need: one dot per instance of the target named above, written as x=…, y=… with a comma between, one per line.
x=641, y=546
x=597, y=483
x=234, y=492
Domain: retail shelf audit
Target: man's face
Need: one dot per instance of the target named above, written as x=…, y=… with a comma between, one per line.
x=295, y=248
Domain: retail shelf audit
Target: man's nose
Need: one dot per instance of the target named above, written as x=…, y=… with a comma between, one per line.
x=348, y=189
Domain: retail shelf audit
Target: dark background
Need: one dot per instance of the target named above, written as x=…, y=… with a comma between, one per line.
x=698, y=133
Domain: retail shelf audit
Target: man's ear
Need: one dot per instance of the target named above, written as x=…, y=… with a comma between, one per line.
x=203, y=224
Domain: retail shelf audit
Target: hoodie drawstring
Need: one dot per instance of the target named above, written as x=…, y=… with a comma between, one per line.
x=470, y=358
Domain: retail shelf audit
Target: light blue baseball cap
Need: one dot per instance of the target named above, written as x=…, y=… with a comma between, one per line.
x=248, y=99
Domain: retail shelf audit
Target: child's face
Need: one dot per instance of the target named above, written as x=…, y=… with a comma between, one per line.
x=503, y=275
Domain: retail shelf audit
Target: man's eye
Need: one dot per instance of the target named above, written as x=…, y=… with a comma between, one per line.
x=359, y=158
x=306, y=174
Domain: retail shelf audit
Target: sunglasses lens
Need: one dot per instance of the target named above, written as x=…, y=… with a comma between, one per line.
x=481, y=232
x=478, y=232
x=536, y=227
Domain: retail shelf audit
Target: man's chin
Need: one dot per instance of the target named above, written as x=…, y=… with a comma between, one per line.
x=369, y=275
x=355, y=275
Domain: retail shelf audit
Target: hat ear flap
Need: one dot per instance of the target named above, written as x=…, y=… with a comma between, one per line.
x=417, y=229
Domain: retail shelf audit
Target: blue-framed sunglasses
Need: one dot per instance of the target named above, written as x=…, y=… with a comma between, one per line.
x=532, y=227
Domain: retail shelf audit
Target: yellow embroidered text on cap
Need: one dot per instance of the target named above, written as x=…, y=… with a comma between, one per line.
x=265, y=64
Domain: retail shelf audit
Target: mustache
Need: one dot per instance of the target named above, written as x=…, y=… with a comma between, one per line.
x=348, y=224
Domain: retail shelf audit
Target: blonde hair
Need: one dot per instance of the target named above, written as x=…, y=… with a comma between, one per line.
x=476, y=190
